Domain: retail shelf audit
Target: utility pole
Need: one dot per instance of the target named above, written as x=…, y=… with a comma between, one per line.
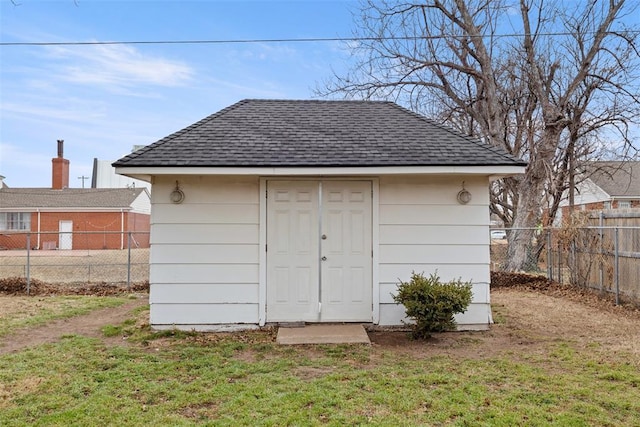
x=83, y=178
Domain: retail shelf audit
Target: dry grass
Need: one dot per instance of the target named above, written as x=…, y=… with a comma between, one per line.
x=23, y=311
x=88, y=266
x=550, y=359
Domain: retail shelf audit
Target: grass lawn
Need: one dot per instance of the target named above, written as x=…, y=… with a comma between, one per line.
x=175, y=378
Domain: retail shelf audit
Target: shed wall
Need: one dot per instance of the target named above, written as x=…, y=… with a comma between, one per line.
x=204, y=251
x=424, y=229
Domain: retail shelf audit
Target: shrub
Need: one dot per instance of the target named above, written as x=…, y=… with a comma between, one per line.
x=431, y=304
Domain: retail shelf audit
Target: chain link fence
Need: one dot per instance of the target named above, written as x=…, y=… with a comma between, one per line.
x=603, y=258
x=123, y=258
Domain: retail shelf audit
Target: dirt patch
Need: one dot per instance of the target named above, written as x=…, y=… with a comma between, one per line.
x=529, y=312
x=87, y=325
x=548, y=317
x=530, y=318
x=472, y=345
x=307, y=373
x=540, y=284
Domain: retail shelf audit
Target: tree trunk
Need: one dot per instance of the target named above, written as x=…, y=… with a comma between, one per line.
x=523, y=231
x=530, y=193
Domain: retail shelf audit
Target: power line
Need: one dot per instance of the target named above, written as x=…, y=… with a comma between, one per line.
x=285, y=40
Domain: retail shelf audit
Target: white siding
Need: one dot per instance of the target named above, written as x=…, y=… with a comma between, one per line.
x=219, y=293
x=204, y=273
x=204, y=251
x=586, y=192
x=142, y=204
x=106, y=177
x=196, y=234
x=202, y=314
x=424, y=229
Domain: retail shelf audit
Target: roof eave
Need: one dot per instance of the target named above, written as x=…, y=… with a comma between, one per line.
x=494, y=171
x=64, y=209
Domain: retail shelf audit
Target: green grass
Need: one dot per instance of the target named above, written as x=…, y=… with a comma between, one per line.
x=182, y=378
x=37, y=311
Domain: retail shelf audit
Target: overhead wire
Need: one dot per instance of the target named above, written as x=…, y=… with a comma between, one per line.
x=282, y=40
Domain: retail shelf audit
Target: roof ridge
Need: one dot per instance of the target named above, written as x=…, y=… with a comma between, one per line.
x=366, y=101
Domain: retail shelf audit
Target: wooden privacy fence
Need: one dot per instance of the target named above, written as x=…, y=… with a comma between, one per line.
x=602, y=257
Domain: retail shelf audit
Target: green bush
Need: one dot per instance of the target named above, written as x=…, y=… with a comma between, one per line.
x=431, y=304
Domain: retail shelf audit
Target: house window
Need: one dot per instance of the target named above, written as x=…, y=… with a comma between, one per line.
x=624, y=205
x=15, y=221
x=607, y=205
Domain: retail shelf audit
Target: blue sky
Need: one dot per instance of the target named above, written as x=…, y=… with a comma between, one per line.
x=103, y=99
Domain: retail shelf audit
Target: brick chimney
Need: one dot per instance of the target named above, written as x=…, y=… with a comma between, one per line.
x=60, y=170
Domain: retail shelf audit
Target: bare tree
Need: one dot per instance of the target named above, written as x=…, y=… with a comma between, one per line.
x=541, y=79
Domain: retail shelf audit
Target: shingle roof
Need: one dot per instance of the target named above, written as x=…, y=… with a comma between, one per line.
x=621, y=179
x=107, y=198
x=277, y=133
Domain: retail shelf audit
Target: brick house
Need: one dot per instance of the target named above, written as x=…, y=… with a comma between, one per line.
x=606, y=185
x=77, y=218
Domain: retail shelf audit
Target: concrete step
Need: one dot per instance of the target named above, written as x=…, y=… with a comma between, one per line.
x=323, y=334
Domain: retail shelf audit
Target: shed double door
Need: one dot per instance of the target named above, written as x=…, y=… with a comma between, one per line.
x=319, y=251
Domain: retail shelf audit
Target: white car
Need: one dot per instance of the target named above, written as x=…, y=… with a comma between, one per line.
x=498, y=234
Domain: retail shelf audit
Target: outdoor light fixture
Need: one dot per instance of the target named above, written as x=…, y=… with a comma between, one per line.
x=177, y=196
x=464, y=196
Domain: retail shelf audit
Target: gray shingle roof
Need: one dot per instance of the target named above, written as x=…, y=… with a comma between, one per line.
x=107, y=198
x=621, y=179
x=280, y=133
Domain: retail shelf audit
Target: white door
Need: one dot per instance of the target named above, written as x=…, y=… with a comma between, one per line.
x=345, y=275
x=65, y=238
x=319, y=251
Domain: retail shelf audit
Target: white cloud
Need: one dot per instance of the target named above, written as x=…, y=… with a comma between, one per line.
x=263, y=52
x=50, y=113
x=117, y=66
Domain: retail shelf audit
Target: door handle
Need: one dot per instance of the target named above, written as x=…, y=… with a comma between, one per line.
x=324, y=258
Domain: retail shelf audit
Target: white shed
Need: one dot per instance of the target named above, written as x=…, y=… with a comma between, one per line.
x=276, y=211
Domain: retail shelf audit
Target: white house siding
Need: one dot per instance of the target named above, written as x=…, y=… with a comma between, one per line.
x=424, y=229
x=204, y=252
x=586, y=192
x=106, y=177
x=142, y=204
